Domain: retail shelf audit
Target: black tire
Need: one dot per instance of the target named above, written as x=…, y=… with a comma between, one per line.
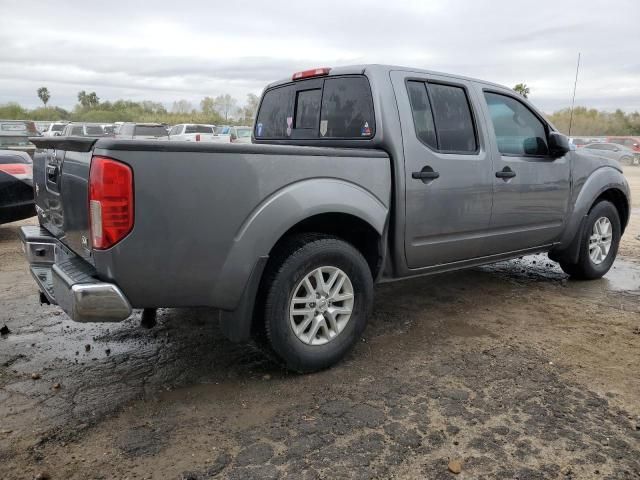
x=585, y=268
x=293, y=260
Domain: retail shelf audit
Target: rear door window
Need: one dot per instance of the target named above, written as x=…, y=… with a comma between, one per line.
x=331, y=108
x=452, y=114
x=422, y=113
x=442, y=117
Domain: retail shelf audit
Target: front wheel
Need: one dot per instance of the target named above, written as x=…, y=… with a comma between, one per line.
x=598, y=244
x=319, y=292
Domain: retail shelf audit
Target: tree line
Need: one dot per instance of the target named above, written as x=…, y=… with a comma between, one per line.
x=222, y=109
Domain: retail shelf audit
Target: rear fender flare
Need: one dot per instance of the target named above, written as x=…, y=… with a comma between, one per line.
x=278, y=213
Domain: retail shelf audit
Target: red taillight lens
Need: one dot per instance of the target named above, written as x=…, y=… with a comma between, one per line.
x=314, y=72
x=197, y=137
x=110, y=201
x=15, y=168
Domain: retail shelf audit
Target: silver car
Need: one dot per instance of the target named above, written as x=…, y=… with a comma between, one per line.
x=621, y=153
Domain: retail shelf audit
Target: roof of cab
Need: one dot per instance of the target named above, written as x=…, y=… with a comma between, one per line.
x=378, y=68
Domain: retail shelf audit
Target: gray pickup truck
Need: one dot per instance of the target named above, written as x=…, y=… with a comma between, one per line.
x=356, y=175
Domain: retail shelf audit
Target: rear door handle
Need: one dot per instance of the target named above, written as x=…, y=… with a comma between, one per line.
x=506, y=172
x=426, y=174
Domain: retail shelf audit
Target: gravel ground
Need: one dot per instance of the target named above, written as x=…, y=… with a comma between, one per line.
x=510, y=371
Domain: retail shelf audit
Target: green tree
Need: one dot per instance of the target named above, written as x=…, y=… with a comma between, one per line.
x=522, y=89
x=88, y=100
x=250, y=108
x=43, y=94
x=225, y=105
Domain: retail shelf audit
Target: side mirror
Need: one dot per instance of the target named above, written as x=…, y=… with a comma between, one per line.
x=558, y=145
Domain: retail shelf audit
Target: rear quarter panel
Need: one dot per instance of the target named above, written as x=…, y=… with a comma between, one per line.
x=203, y=218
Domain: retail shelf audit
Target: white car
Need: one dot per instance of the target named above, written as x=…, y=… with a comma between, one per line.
x=193, y=132
x=55, y=129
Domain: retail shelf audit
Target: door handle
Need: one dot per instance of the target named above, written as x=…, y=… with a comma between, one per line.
x=505, y=173
x=426, y=174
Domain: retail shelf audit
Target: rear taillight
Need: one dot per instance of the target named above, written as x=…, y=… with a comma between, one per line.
x=110, y=201
x=21, y=171
x=197, y=137
x=314, y=72
x=15, y=168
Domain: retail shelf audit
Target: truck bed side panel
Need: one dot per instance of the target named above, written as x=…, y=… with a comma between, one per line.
x=193, y=207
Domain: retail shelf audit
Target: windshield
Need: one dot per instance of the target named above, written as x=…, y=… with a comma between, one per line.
x=94, y=130
x=222, y=130
x=150, y=131
x=57, y=127
x=244, y=132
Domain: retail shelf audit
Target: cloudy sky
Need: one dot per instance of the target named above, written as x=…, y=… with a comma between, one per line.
x=169, y=50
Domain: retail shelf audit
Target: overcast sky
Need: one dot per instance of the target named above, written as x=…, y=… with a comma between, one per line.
x=168, y=50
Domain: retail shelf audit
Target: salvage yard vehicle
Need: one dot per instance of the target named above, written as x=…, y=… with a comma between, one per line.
x=16, y=186
x=142, y=131
x=240, y=134
x=190, y=132
x=14, y=135
x=84, y=130
x=54, y=129
x=356, y=175
x=621, y=153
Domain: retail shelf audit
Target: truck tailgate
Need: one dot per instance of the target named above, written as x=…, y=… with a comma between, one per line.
x=61, y=177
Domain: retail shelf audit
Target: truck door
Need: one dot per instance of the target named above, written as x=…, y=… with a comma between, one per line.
x=448, y=184
x=531, y=188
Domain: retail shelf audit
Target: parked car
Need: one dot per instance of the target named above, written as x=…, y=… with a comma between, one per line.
x=621, y=153
x=42, y=126
x=223, y=132
x=356, y=175
x=84, y=130
x=579, y=142
x=240, y=134
x=55, y=129
x=14, y=135
x=109, y=129
x=190, y=132
x=16, y=186
x=630, y=142
x=142, y=131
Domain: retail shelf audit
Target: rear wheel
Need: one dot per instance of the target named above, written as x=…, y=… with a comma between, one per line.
x=599, y=243
x=626, y=160
x=319, y=292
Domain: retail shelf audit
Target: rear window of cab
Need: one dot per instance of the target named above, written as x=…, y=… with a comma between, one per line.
x=318, y=108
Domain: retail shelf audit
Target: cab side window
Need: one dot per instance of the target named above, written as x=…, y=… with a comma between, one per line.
x=518, y=130
x=442, y=117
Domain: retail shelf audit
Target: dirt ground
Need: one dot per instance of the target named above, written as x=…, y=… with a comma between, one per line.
x=513, y=371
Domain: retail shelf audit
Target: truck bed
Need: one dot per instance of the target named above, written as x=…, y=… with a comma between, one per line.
x=196, y=206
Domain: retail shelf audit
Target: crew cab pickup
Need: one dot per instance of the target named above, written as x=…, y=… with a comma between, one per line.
x=356, y=175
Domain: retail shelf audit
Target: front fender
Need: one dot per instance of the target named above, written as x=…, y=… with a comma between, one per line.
x=586, y=191
x=278, y=213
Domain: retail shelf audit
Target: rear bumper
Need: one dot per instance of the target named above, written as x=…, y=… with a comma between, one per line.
x=69, y=281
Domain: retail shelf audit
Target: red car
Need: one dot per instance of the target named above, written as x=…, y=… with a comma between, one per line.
x=631, y=142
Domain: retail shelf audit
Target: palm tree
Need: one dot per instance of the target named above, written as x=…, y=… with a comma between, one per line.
x=43, y=94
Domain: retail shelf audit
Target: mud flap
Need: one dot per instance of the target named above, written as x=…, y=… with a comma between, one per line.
x=236, y=324
x=571, y=253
